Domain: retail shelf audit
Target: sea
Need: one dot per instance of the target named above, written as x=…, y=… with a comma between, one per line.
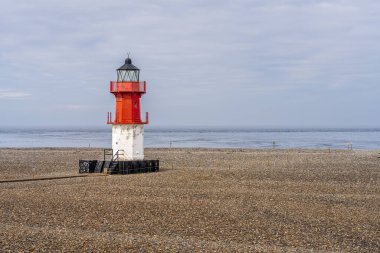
x=311, y=138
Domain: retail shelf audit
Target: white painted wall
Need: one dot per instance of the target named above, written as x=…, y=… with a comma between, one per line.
x=129, y=138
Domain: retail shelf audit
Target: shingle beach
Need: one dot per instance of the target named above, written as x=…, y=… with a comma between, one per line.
x=202, y=200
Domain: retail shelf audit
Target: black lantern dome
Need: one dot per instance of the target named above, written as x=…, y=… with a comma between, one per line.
x=128, y=72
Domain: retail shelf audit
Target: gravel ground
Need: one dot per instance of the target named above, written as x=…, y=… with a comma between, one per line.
x=221, y=200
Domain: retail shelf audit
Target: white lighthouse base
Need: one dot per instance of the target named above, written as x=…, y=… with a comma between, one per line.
x=129, y=141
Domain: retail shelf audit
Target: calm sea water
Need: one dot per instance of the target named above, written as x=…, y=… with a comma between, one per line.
x=189, y=137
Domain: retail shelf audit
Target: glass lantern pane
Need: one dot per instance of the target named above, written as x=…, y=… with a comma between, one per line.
x=128, y=75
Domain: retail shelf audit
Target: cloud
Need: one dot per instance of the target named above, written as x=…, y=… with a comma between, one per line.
x=6, y=94
x=78, y=107
x=236, y=55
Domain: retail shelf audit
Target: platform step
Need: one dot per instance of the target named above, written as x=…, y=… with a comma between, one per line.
x=118, y=167
x=112, y=169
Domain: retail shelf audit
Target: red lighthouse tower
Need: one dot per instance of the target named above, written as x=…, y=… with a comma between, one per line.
x=127, y=127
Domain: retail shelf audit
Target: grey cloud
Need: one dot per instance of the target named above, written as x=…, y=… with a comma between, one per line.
x=9, y=94
x=200, y=57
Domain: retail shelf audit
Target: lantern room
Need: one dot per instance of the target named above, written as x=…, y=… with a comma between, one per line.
x=128, y=72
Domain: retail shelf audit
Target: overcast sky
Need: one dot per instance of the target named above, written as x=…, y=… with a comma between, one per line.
x=289, y=63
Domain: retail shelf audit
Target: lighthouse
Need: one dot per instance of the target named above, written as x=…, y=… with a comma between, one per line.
x=127, y=126
x=127, y=153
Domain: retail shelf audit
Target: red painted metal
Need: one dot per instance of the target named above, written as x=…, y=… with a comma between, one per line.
x=127, y=96
x=139, y=87
x=146, y=118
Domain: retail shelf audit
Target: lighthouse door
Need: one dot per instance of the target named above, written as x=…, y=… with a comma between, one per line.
x=119, y=108
x=136, y=108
